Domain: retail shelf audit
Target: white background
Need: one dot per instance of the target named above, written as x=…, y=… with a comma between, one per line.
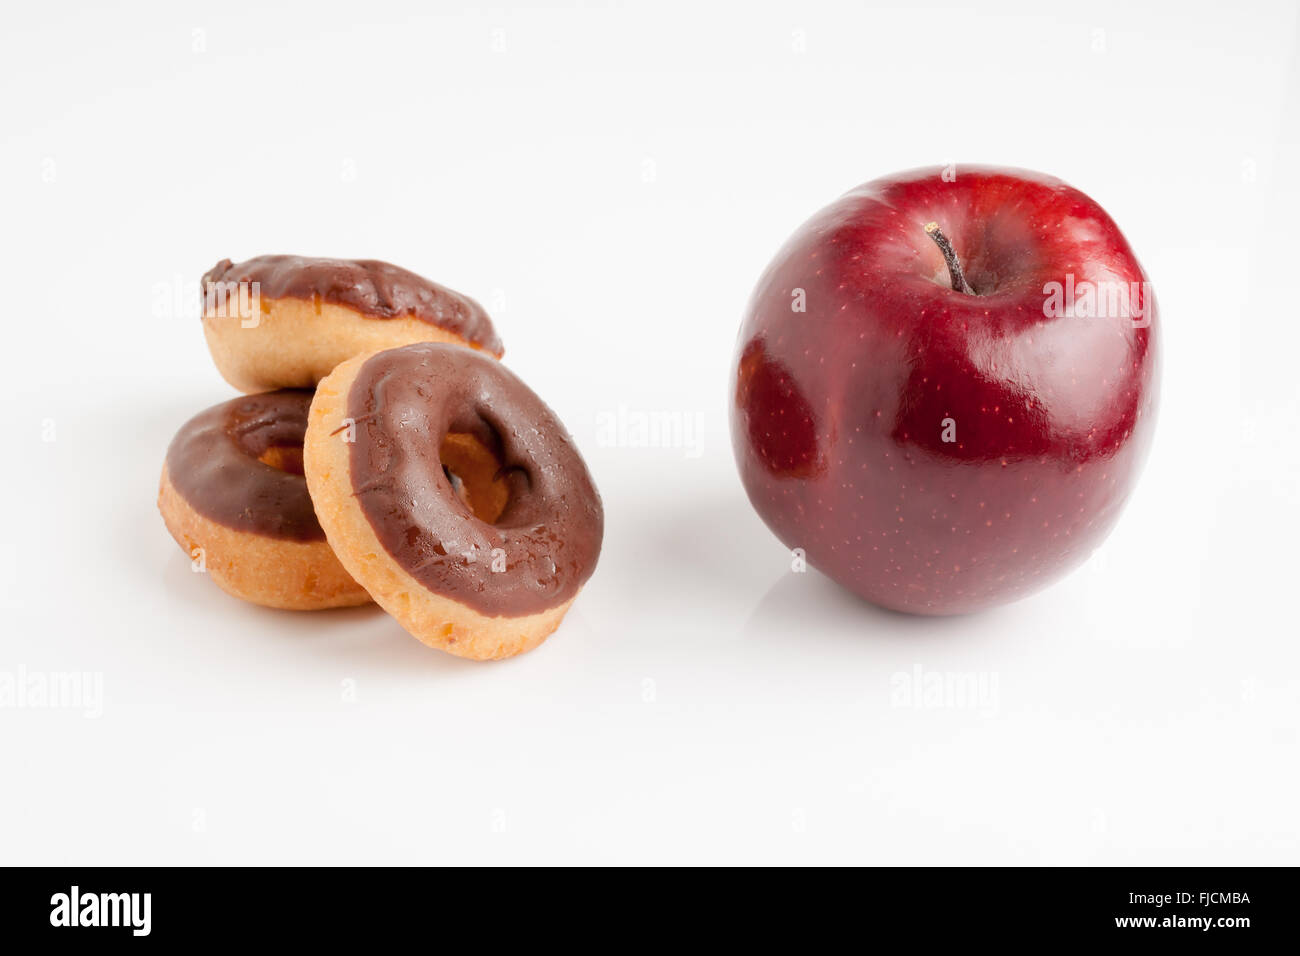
x=609, y=180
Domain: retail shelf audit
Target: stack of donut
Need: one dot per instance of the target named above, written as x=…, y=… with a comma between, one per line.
x=383, y=453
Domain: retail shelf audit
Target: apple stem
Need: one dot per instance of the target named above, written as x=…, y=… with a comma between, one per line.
x=959, y=283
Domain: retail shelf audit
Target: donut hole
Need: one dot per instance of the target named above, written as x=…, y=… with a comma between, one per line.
x=287, y=458
x=475, y=474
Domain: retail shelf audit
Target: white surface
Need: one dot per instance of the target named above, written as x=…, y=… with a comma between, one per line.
x=610, y=180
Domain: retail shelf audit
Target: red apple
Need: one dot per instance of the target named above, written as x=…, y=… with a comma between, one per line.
x=946, y=385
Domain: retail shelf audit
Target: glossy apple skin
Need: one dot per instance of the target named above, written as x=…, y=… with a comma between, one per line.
x=839, y=412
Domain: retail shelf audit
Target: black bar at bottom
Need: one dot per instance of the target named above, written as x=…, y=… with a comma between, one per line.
x=657, y=907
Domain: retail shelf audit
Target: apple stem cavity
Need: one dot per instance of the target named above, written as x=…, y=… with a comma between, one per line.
x=959, y=283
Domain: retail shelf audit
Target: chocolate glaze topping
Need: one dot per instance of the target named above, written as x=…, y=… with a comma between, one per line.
x=375, y=289
x=213, y=462
x=404, y=402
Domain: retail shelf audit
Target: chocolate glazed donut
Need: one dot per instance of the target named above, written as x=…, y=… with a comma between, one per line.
x=287, y=321
x=485, y=515
x=235, y=464
x=233, y=491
